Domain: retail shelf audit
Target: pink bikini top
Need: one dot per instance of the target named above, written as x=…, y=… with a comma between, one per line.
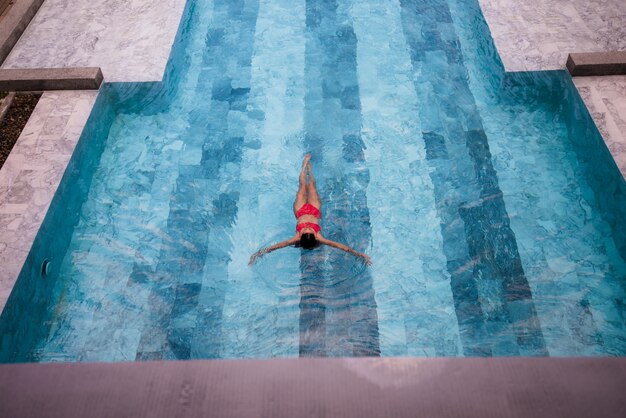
x=311, y=225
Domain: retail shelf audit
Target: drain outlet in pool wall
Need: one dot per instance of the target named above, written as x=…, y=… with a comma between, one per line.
x=45, y=267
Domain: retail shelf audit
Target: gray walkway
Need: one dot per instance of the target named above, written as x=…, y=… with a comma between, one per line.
x=338, y=388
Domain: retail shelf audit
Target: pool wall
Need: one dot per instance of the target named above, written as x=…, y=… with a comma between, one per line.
x=607, y=185
x=604, y=177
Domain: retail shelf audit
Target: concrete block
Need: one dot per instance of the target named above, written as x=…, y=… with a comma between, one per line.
x=87, y=78
x=597, y=63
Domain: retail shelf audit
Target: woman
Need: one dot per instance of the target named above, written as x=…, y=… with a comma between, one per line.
x=307, y=210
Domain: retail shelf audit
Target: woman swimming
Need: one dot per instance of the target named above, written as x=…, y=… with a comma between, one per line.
x=307, y=210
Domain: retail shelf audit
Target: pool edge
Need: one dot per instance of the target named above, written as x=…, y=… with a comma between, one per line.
x=346, y=387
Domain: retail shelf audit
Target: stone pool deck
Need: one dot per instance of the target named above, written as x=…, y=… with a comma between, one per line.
x=538, y=35
x=338, y=388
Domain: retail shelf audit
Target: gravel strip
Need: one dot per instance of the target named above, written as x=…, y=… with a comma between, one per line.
x=14, y=121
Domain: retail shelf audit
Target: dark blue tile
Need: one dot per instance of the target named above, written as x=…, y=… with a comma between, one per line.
x=231, y=152
x=453, y=52
x=221, y=89
x=179, y=341
x=353, y=147
x=432, y=40
x=239, y=99
x=214, y=37
x=478, y=147
x=350, y=98
x=331, y=89
x=150, y=356
x=225, y=207
x=186, y=298
x=141, y=274
x=435, y=146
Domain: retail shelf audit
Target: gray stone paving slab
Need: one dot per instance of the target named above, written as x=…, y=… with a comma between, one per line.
x=14, y=22
x=32, y=173
x=338, y=388
x=129, y=40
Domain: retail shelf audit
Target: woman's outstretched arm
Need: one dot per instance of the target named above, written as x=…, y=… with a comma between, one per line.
x=366, y=258
x=266, y=250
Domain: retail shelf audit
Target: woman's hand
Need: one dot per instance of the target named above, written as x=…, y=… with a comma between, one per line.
x=366, y=259
x=253, y=257
x=274, y=247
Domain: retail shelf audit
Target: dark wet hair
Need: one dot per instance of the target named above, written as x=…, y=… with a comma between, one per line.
x=308, y=241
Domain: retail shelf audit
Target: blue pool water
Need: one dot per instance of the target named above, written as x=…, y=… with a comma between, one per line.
x=488, y=202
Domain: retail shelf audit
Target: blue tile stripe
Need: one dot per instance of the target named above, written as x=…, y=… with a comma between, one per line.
x=478, y=241
x=338, y=310
x=202, y=211
x=312, y=305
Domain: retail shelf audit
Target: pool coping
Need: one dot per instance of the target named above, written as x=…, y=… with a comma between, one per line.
x=38, y=79
x=340, y=387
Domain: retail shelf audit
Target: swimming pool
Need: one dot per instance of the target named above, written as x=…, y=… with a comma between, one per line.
x=489, y=203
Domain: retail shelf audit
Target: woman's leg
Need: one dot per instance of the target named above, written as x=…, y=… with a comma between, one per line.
x=312, y=197
x=301, y=196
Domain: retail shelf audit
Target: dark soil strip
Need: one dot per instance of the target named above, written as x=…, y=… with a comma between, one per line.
x=14, y=121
